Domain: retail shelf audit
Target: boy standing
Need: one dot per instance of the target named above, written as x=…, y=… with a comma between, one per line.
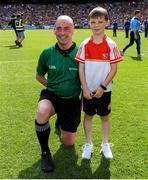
x=98, y=56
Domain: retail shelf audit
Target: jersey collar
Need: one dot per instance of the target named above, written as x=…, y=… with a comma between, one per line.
x=66, y=52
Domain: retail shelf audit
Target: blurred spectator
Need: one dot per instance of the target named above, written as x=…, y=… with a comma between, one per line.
x=45, y=14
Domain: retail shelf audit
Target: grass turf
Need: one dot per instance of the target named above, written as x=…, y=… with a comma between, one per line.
x=19, y=92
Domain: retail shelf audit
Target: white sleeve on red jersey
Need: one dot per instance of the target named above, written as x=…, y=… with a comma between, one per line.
x=115, y=55
x=80, y=56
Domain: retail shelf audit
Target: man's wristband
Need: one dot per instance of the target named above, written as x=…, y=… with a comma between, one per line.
x=103, y=87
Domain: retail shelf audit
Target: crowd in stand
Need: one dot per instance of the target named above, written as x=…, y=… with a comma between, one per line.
x=46, y=14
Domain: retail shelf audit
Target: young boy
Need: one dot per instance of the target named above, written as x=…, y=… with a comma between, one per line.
x=98, y=57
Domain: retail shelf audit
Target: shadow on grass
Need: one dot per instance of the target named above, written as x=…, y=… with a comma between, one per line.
x=136, y=58
x=67, y=168
x=102, y=172
x=12, y=47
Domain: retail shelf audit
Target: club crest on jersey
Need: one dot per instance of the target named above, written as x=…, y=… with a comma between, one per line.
x=105, y=55
x=51, y=67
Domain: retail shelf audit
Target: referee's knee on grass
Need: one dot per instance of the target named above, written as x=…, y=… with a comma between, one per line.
x=68, y=139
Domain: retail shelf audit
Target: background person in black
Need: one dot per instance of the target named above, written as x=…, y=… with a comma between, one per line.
x=20, y=30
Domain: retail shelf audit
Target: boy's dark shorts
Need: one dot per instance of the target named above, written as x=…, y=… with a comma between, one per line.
x=100, y=106
x=68, y=110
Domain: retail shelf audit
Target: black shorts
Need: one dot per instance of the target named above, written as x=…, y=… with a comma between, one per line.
x=101, y=106
x=68, y=110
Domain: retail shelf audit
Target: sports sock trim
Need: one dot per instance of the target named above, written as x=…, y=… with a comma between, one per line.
x=41, y=127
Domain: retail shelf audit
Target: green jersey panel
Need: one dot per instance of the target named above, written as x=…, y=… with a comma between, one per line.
x=62, y=72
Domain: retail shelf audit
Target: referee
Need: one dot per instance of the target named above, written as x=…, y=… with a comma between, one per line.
x=134, y=33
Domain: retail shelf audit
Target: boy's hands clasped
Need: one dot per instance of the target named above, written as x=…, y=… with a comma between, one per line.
x=98, y=93
x=89, y=95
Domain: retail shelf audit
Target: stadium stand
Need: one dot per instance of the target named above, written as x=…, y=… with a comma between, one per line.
x=43, y=15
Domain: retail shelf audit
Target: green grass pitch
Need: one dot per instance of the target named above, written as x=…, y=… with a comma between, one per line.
x=19, y=92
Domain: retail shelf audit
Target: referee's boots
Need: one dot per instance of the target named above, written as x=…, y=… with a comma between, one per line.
x=47, y=164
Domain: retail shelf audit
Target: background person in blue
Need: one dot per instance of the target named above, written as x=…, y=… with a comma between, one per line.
x=127, y=28
x=115, y=27
x=146, y=28
x=134, y=33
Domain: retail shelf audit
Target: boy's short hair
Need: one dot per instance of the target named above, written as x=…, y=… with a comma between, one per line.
x=98, y=12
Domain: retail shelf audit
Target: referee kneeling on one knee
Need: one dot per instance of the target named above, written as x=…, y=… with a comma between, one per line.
x=61, y=95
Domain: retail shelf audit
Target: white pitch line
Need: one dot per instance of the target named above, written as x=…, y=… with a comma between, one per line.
x=20, y=61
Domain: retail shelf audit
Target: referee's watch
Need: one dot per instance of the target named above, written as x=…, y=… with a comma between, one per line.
x=103, y=87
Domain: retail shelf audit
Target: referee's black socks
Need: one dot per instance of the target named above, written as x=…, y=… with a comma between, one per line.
x=43, y=132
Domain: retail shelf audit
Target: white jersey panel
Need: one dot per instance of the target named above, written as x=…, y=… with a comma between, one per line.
x=97, y=74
